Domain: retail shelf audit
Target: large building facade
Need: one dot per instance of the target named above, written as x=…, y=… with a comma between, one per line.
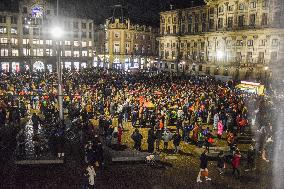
x=123, y=45
x=27, y=41
x=239, y=38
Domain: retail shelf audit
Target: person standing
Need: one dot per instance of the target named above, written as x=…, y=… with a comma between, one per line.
x=251, y=158
x=166, y=137
x=203, y=167
x=220, y=129
x=137, y=138
x=216, y=120
x=158, y=136
x=176, y=141
x=91, y=173
x=236, y=163
x=119, y=137
x=221, y=162
x=151, y=140
x=36, y=121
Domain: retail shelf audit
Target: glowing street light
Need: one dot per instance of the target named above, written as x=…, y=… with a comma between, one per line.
x=57, y=32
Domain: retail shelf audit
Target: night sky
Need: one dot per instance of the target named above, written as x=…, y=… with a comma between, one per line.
x=140, y=11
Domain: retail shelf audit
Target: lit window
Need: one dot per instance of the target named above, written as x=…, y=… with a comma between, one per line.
x=90, y=53
x=76, y=43
x=48, y=52
x=67, y=53
x=250, y=42
x=76, y=54
x=4, y=52
x=14, y=41
x=38, y=52
x=48, y=42
x=84, y=44
x=26, y=52
x=3, y=29
x=67, y=43
x=14, y=31
x=3, y=40
x=116, y=47
x=15, y=52
x=90, y=43
x=26, y=41
x=84, y=53
x=35, y=41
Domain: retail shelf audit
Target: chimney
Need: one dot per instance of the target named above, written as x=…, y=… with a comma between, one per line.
x=171, y=6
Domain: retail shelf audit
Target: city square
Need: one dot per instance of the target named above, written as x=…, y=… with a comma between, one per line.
x=141, y=94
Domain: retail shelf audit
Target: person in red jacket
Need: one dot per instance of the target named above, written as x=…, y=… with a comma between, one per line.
x=119, y=137
x=236, y=163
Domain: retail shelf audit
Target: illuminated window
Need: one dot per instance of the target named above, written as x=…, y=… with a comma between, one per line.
x=76, y=54
x=241, y=6
x=84, y=53
x=14, y=31
x=48, y=52
x=38, y=52
x=48, y=42
x=90, y=53
x=26, y=41
x=67, y=53
x=253, y=5
x=250, y=42
x=14, y=41
x=76, y=43
x=67, y=43
x=116, y=47
x=3, y=29
x=90, y=43
x=4, y=52
x=84, y=44
x=3, y=40
x=26, y=52
x=15, y=52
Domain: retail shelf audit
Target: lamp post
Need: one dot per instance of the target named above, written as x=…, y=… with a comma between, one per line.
x=57, y=34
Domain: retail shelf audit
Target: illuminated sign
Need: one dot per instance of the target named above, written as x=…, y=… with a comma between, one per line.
x=37, y=11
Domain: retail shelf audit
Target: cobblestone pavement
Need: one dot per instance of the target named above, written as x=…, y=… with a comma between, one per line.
x=175, y=171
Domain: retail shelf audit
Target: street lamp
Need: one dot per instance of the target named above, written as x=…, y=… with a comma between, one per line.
x=57, y=33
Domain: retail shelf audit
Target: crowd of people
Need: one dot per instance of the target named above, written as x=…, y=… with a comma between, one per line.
x=199, y=107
